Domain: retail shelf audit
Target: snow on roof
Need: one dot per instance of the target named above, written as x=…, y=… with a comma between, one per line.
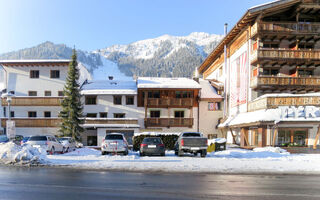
x=109, y=87
x=274, y=115
x=207, y=91
x=156, y=82
x=267, y=5
x=36, y=61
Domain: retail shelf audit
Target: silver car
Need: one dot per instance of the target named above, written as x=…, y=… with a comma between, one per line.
x=114, y=143
x=48, y=142
x=68, y=143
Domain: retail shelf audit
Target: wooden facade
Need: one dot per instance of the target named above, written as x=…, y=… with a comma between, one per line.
x=169, y=122
x=33, y=101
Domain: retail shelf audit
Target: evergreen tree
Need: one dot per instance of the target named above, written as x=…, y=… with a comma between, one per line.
x=71, y=113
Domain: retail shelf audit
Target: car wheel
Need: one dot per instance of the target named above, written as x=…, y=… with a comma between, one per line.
x=203, y=153
x=103, y=153
x=180, y=153
x=141, y=154
x=125, y=153
x=67, y=150
x=163, y=154
x=52, y=151
x=176, y=153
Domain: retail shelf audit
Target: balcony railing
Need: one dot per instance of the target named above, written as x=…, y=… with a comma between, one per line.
x=274, y=102
x=33, y=101
x=287, y=27
x=261, y=81
x=168, y=122
x=33, y=122
x=286, y=54
x=169, y=102
x=111, y=121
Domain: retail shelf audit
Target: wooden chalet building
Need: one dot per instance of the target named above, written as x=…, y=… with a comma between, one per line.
x=269, y=63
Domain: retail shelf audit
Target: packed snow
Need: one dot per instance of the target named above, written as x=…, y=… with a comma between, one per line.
x=156, y=82
x=10, y=153
x=233, y=160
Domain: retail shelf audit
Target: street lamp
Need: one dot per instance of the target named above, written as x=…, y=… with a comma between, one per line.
x=10, y=124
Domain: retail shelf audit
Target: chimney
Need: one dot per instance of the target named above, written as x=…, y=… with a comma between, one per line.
x=110, y=78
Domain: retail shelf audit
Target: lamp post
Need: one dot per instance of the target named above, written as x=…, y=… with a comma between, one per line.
x=10, y=125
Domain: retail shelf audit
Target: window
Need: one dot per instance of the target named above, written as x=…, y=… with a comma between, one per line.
x=32, y=114
x=91, y=100
x=119, y=115
x=103, y=115
x=47, y=93
x=12, y=114
x=129, y=100
x=213, y=106
x=34, y=73
x=117, y=100
x=179, y=114
x=32, y=93
x=60, y=93
x=92, y=115
x=54, y=74
x=154, y=94
x=47, y=114
x=155, y=113
x=184, y=94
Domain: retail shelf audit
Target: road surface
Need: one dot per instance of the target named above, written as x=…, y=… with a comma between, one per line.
x=51, y=183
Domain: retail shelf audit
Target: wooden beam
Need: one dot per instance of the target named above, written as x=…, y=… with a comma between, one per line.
x=316, y=139
x=233, y=137
x=275, y=135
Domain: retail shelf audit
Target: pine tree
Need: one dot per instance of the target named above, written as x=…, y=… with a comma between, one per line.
x=71, y=113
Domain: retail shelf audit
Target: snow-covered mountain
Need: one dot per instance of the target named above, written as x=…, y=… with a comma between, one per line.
x=162, y=56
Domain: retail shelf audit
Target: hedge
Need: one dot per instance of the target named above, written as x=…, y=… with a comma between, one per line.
x=168, y=140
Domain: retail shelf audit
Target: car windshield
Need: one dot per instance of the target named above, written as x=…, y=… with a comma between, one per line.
x=38, y=138
x=3, y=138
x=26, y=139
x=152, y=141
x=113, y=137
x=191, y=135
x=63, y=139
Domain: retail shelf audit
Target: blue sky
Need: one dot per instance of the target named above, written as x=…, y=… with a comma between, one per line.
x=94, y=24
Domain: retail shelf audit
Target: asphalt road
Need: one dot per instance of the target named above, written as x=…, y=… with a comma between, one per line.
x=48, y=183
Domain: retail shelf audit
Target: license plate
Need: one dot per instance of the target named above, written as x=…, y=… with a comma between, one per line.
x=195, y=148
x=36, y=146
x=152, y=146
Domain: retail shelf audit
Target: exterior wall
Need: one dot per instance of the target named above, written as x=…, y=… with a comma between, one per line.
x=22, y=111
x=105, y=104
x=20, y=76
x=37, y=131
x=209, y=119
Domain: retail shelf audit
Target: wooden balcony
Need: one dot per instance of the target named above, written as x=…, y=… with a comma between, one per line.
x=274, y=102
x=285, y=55
x=285, y=83
x=169, y=102
x=285, y=27
x=110, y=121
x=33, y=122
x=169, y=122
x=33, y=101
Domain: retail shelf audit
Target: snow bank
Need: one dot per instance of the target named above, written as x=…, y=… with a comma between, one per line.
x=10, y=153
x=217, y=140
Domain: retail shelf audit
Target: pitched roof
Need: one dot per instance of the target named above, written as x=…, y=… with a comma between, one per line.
x=171, y=83
x=109, y=87
x=208, y=92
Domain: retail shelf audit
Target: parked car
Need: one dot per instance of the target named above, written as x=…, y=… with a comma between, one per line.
x=191, y=142
x=3, y=139
x=114, y=143
x=68, y=143
x=24, y=140
x=152, y=146
x=50, y=143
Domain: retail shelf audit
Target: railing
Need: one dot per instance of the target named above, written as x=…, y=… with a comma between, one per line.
x=168, y=122
x=288, y=27
x=33, y=122
x=286, y=54
x=285, y=81
x=33, y=101
x=170, y=102
x=110, y=121
x=274, y=102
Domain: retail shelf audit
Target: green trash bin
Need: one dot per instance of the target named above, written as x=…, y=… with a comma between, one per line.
x=220, y=144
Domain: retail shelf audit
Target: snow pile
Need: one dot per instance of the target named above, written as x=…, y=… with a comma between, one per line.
x=10, y=153
x=271, y=149
x=265, y=152
x=217, y=140
x=83, y=152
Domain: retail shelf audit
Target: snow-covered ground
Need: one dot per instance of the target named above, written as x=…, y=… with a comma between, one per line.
x=233, y=160
x=260, y=160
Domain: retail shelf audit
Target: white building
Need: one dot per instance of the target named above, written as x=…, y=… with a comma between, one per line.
x=110, y=106
x=37, y=86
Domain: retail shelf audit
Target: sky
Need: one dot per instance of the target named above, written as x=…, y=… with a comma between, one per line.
x=96, y=24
